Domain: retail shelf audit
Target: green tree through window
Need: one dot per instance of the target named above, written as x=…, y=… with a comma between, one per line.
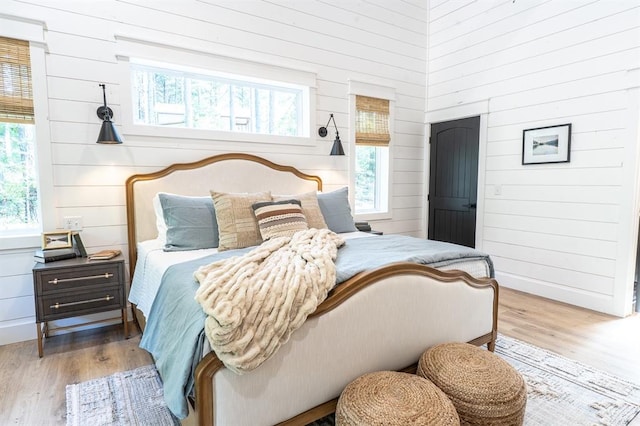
x=19, y=190
x=171, y=97
x=19, y=210
x=365, y=178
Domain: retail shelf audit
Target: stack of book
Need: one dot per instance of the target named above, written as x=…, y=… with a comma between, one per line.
x=51, y=255
x=363, y=226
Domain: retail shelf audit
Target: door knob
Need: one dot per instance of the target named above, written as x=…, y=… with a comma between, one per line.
x=470, y=206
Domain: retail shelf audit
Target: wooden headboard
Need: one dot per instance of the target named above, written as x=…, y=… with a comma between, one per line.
x=223, y=173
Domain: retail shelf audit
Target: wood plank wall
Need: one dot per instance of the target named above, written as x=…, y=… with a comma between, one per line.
x=372, y=41
x=565, y=231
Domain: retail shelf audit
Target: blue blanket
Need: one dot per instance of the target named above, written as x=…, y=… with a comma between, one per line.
x=174, y=333
x=362, y=254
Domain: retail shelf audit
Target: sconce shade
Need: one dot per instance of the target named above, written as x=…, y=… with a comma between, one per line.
x=108, y=133
x=337, y=147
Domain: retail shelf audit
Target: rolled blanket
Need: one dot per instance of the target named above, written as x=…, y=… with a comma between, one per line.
x=255, y=301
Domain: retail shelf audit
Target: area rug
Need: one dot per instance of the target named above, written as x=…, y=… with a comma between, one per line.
x=560, y=392
x=565, y=392
x=128, y=398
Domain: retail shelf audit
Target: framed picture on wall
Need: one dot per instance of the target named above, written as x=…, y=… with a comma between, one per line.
x=551, y=144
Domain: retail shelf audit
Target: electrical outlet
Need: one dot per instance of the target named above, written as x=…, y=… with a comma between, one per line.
x=73, y=223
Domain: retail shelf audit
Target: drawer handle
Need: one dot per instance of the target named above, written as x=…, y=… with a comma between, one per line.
x=55, y=281
x=81, y=302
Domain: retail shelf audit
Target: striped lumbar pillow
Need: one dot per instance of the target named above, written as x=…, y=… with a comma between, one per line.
x=280, y=218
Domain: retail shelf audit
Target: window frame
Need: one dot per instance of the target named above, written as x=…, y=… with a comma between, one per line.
x=187, y=59
x=33, y=32
x=233, y=81
x=357, y=88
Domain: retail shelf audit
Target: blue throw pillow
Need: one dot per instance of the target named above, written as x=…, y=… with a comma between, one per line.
x=191, y=222
x=336, y=210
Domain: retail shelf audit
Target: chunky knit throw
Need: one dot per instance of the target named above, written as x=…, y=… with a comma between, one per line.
x=255, y=301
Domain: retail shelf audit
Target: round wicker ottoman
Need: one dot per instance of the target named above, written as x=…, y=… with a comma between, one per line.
x=484, y=388
x=393, y=398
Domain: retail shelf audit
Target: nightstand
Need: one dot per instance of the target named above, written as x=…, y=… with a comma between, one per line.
x=74, y=287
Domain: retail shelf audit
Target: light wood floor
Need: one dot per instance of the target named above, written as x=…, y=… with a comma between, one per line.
x=32, y=389
x=609, y=343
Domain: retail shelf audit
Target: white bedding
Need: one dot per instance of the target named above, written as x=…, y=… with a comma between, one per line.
x=153, y=261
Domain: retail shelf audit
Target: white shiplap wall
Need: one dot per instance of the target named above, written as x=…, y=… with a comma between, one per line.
x=565, y=231
x=373, y=41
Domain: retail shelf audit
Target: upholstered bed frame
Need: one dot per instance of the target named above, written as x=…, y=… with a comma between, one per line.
x=379, y=320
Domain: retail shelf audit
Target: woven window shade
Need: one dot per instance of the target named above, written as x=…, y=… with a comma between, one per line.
x=372, y=121
x=16, y=96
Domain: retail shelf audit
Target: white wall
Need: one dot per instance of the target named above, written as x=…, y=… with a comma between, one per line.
x=565, y=231
x=370, y=41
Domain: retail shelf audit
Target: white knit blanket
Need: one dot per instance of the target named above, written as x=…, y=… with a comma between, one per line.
x=255, y=301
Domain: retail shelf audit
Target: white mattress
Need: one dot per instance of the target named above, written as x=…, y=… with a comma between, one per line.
x=153, y=261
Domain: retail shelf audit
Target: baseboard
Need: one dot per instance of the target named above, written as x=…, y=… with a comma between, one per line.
x=25, y=329
x=573, y=296
x=17, y=331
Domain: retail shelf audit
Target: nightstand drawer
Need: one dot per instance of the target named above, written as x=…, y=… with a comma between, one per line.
x=89, y=275
x=63, y=304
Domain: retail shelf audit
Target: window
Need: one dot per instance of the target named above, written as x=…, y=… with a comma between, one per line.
x=171, y=96
x=19, y=201
x=372, y=155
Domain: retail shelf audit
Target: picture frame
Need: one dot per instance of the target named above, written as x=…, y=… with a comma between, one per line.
x=79, y=245
x=56, y=240
x=550, y=144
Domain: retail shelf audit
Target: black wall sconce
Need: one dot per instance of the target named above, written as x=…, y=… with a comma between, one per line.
x=337, y=145
x=108, y=133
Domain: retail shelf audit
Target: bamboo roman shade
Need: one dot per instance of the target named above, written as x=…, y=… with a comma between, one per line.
x=16, y=96
x=372, y=121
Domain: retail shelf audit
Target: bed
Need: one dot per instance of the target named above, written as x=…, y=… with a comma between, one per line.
x=379, y=317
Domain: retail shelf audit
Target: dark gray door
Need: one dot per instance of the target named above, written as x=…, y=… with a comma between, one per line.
x=453, y=181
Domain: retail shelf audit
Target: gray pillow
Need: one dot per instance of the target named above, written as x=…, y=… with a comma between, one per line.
x=191, y=222
x=336, y=210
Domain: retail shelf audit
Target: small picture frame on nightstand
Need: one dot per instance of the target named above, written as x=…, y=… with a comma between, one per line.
x=56, y=240
x=79, y=245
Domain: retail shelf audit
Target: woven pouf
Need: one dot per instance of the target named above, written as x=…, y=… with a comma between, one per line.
x=485, y=389
x=392, y=398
